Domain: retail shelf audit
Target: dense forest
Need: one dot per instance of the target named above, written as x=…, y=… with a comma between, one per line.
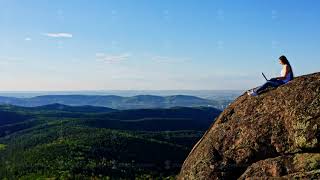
x=63, y=142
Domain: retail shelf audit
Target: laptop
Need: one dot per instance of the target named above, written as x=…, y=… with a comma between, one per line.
x=264, y=77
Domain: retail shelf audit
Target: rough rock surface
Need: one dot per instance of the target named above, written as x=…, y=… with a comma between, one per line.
x=306, y=165
x=276, y=134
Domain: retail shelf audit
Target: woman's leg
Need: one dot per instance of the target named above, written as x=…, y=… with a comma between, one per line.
x=272, y=83
x=276, y=83
x=263, y=87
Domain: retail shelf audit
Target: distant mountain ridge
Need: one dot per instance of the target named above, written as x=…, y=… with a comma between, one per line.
x=174, y=118
x=116, y=102
x=82, y=109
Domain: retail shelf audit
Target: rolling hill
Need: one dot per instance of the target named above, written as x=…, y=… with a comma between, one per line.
x=59, y=141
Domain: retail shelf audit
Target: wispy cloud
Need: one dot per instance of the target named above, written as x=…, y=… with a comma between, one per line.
x=27, y=39
x=58, y=35
x=9, y=60
x=112, y=58
x=167, y=59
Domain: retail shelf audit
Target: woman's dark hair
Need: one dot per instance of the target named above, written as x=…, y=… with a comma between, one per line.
x=284, y=60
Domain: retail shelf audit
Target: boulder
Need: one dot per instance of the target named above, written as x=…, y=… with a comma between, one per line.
x=262, y=136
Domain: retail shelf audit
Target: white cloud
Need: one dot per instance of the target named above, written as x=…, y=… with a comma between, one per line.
x=112, y=58
x=166, y=59
x=27, y=39
x=58, y=35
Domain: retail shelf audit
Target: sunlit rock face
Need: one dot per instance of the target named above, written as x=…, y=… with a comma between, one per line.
x=275, y=134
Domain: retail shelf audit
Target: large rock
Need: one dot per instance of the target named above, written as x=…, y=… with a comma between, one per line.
x=268, y=130
x=305, y=165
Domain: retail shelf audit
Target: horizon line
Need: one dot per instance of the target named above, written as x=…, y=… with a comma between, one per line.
x=5, y=91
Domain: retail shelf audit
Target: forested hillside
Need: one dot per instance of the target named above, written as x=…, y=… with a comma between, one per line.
x=67, y=142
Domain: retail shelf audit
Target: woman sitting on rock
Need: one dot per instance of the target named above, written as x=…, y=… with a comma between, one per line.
x=286, y=76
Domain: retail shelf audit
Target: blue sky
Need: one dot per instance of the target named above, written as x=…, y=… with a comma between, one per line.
x=153, y=44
